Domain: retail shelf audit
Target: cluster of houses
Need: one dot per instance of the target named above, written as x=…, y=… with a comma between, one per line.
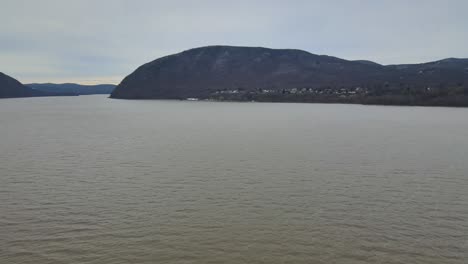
x=319, y=91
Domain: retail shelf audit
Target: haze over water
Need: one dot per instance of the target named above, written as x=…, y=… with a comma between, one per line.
x=94, y=180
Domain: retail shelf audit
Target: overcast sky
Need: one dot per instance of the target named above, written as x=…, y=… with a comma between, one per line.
x=101, y=41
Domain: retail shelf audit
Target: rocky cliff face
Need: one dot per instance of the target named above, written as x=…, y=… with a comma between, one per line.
x=202, y=72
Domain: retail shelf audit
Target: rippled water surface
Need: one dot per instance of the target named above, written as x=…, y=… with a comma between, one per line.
x=94, y=180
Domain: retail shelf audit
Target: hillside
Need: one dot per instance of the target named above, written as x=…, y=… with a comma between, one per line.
x=11, y=88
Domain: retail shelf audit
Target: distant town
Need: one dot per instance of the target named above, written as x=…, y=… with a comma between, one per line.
x=440, y=95
x=318, y=91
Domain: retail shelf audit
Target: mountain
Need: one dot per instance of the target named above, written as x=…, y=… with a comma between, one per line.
x=10, y=88
x=71, y=88
x=201, y=71
x=254, y=73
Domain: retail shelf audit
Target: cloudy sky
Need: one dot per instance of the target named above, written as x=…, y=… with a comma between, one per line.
x=101, y=41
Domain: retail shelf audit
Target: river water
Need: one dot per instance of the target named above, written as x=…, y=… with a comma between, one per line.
x=95, y=180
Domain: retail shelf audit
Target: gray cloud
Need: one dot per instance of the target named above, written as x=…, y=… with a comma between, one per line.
x=102, y=41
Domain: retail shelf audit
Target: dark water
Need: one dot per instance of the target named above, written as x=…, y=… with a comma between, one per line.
x=93, y=180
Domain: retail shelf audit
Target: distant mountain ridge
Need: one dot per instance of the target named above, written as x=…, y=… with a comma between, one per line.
x=208, y=71
x=73, y=88
x=12, y=88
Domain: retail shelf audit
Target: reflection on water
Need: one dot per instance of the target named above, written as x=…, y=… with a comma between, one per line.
x=93, y=180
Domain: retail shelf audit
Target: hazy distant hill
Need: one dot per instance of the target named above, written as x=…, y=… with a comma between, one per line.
x=252, y=73
x=10, y=88
x=72, y=88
